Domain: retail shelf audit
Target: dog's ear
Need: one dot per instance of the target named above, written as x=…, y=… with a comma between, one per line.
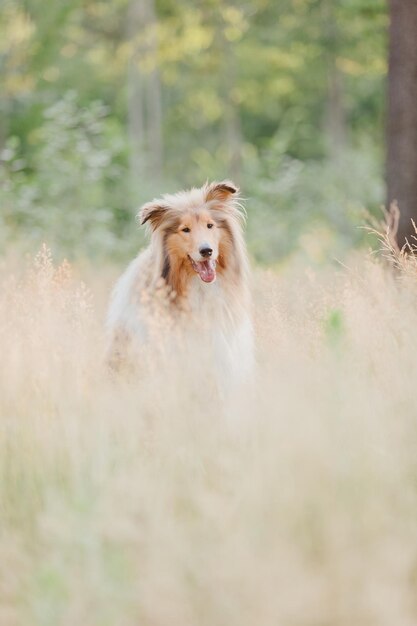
x=221, y=191
x=152, y=212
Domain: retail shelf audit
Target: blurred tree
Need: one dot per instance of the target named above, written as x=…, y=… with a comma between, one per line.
x=230, y=29
x=335, y=123
x=267, y=92
x=144, y=103
x=402, y=114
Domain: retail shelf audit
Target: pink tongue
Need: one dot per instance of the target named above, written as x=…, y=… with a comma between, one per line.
x=206, y=271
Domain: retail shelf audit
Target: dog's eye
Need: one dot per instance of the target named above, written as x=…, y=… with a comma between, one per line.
x=186, y=230
x=210, y=225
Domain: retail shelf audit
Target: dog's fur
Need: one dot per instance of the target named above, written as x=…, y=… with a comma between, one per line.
x=205, y=301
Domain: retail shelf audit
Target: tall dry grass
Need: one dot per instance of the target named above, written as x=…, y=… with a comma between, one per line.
x=137, y=504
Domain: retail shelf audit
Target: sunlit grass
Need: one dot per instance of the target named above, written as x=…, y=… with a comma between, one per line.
x=125, y=504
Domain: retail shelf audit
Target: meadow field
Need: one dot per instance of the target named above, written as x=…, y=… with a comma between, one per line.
x=150, y=500
x=134, y=503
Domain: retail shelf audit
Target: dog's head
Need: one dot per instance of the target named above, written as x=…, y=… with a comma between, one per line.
x=195, y=228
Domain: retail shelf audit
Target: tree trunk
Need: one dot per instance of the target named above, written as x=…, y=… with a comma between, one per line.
x=232, y=125
x=402, y=114
x=232, y=129
x=334, y=121
x=154, y=98
x=135, y=111
x=144, y=93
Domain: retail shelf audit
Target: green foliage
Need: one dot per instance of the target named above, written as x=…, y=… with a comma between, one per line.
x=69, y=188
x=285, y=97
x=312, y=205
x=334, y=327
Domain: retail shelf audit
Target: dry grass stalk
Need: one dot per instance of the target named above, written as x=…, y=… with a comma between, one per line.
x=142, y=504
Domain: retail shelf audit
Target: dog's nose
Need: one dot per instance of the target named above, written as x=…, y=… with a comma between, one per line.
x=205, y=251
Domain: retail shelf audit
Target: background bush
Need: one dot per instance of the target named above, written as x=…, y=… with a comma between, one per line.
x=105, y=105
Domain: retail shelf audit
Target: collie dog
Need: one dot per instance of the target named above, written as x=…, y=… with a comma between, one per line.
x=195, y=271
